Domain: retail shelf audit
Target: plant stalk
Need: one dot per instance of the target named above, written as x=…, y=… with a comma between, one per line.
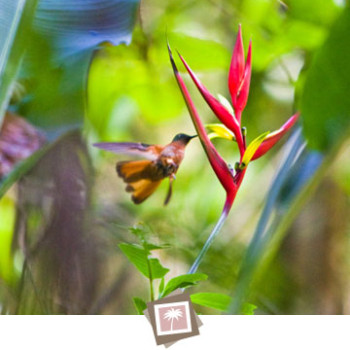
x=211, y=238
x=151, y=290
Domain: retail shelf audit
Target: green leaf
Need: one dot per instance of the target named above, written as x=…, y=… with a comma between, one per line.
x=158, y=271
x=183, y=281
x=151, y=246
x=248, y=309
x=325, y=102
x=220, y=302
x=215, y=301
x=161, y=287
x=140, y=305
x=15, y=24
x=138, y=256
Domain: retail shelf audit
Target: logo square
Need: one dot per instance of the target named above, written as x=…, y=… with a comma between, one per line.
x=173, y=318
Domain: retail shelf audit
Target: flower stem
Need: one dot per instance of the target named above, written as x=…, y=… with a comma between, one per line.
x=212, y=236
x=150, y=280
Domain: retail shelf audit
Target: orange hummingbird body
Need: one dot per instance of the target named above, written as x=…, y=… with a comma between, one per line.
x=144, y=176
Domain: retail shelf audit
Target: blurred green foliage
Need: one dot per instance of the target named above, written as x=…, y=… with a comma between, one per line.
x=128, y=93
x=326, y=102
x=7, y=222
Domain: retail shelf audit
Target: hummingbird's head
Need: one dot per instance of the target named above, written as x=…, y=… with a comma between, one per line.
x=185, y=139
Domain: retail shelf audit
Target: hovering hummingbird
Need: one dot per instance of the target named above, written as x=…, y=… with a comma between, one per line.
x=144, y=176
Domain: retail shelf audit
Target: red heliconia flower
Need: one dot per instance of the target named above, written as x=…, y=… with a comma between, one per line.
x=239, y=75
x=220, y=167
x=238, y=83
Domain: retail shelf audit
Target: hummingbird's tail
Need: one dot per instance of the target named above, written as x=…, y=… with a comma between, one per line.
x=135, y=174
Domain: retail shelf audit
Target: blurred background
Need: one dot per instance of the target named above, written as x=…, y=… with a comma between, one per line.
x=78, y=72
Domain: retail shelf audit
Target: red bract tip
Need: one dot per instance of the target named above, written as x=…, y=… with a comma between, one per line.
x=239, y=76
x=237, y=66
x=275, y=136
x=243, y=92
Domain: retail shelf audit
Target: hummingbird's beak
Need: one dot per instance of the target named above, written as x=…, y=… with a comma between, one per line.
x=192, y=137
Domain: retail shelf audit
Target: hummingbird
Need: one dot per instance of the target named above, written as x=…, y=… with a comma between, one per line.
x=144, y=176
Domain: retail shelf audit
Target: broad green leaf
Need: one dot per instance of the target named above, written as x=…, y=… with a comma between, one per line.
x=140, y=305
x=220, y=302
x=183, y=281
x=16, y=17
x=253, y=146
x=216, y=301
x=325, y=102
x=158, y=271
x=248, y=309
x=138, y=256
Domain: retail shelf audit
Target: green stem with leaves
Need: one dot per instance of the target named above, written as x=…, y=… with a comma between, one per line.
x=151, y=290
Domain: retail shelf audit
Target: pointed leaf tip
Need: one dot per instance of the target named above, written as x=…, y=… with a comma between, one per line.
x=237, y=66
x=275, y=136
x=243, y=92
x=252, y=148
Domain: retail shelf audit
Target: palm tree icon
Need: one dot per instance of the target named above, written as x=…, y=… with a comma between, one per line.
x=172, y=314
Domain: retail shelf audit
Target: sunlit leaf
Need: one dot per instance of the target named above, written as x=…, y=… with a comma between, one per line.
x=219, y=301
x=248, y=309
x=183, y=281
x=139, y=257
x=140, y=305
x=216, y=301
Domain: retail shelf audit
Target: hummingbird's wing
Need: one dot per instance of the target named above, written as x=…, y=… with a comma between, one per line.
x=141, y=176
x=142, y=189
x=150, y=152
